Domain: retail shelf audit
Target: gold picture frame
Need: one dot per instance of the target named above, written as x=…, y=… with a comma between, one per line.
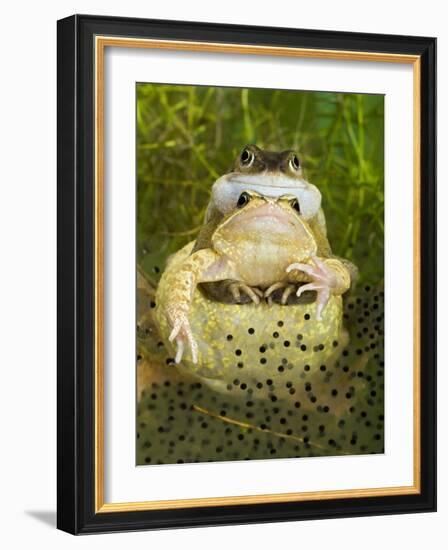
x=98, y=34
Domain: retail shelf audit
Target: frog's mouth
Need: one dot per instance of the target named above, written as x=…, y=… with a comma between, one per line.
x=271, y=227
x=269, y=220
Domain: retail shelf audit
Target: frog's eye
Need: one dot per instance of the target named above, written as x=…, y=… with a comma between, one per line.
x=294, y=162
x=243, y=199
x=246, y=157
x=295, y=204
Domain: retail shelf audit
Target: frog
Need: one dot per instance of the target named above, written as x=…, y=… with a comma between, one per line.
x=264, y=232
x=264, y=171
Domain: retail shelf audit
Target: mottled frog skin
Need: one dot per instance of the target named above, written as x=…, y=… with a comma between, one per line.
x=260, y=286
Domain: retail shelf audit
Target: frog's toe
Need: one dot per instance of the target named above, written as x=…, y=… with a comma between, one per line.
x=286, y=294
x=181, y=342
x=317, y=270
x=273, y=288
x=288, y=289
x=236, y=288
x=180, y=350
x=182, y=334
x=323, y=295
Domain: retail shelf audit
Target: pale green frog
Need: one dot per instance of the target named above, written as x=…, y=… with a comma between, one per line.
x=264, y=242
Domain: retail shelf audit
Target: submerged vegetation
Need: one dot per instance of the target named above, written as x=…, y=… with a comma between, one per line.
x=187, y=136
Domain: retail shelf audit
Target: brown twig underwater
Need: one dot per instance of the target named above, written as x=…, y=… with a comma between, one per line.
x=246, y=425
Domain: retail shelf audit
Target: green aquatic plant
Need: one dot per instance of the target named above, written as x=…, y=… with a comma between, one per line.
x=187, y=136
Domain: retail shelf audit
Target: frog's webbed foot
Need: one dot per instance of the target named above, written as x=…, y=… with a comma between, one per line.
x=324, y=280
x=288, y=289
x=238, y=287
x=182, y=334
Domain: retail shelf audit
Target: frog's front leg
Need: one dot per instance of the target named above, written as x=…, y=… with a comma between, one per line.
x=327, y=276
x=200, y=267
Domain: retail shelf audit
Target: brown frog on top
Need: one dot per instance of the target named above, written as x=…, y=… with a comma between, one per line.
x=264, y=232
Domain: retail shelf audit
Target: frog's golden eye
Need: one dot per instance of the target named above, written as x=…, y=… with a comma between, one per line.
x=243, y=199
x=295, y=204
x=294, y=162
x=246, y=157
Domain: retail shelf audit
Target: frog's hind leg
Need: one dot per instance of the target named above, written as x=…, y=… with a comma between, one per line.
x=288, y=289
x=180, y=281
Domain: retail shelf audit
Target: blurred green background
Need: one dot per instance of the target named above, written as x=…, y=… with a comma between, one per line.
x=188, y=136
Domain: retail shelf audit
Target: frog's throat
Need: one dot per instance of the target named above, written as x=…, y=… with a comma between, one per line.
x=267, y=180
x=227, y=189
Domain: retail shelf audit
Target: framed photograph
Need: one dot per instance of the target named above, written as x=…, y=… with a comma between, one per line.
x=246, y=274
